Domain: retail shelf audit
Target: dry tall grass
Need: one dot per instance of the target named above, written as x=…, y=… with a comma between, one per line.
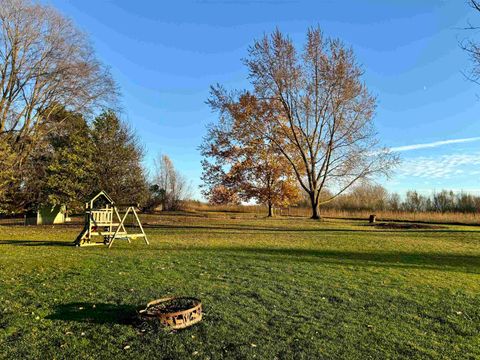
x=430, y=217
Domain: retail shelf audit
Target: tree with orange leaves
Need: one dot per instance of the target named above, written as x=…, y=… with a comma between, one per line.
x=241, y=165
x=312, y=107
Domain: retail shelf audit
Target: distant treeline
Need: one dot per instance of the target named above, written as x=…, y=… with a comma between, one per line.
x=365, y=198
x=377, y=198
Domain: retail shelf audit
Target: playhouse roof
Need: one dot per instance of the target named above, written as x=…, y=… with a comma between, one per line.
x=99, y=195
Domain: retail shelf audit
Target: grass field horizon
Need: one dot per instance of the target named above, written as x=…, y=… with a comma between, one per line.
x=284, y=288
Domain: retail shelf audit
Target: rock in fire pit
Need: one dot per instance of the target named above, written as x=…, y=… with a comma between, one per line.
x=174, y=312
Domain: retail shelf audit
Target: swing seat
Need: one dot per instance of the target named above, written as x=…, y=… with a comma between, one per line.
x=133, y=236
x=129, y=236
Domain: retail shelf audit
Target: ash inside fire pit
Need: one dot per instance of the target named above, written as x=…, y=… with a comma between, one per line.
x=173, y=305
x=174, y=312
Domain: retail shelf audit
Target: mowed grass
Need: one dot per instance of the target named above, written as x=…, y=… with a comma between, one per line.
x=271, y=289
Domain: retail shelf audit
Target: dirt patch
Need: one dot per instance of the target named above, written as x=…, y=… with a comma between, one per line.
x=408, y=226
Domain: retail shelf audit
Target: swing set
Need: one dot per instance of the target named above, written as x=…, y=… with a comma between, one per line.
x=102, y=218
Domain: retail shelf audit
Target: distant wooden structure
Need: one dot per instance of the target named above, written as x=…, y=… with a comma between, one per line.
x=47, y=215
x=103, y=219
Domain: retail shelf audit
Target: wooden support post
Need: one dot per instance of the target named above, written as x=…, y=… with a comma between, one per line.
x=118, y=228
x=141, y=227
x=121, y=227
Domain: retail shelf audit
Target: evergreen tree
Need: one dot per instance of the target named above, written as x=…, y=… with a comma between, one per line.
x=59, y=169
x=70, y=173
x=118, y=160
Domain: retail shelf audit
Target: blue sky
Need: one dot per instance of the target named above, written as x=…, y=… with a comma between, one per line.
x=166, y=54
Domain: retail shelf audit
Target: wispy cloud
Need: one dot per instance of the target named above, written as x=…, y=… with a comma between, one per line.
x=433, y=144
x=441, y=167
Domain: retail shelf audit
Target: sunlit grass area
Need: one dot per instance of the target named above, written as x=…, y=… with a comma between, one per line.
x=271, y=288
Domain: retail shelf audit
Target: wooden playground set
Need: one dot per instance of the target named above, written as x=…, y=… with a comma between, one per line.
x=103, y=219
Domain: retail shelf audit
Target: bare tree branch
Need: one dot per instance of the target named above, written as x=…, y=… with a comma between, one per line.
x=322, y=112
x=45, y=63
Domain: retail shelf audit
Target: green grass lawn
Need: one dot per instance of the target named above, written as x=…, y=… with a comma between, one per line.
x=271, y=289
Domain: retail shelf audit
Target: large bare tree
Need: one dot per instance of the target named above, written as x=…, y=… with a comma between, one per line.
x=323, y=122
x=45, y=64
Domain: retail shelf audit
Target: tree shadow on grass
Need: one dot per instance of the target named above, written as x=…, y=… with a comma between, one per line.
x=36, y=243
x=264, y=229
x=419, y=260
x=95, y=313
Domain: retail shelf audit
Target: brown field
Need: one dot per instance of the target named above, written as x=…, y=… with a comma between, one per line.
x=258, y=211
x=382, y=215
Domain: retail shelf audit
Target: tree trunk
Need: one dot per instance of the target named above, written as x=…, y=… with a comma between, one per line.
x=270, y=210
x=315, y=207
